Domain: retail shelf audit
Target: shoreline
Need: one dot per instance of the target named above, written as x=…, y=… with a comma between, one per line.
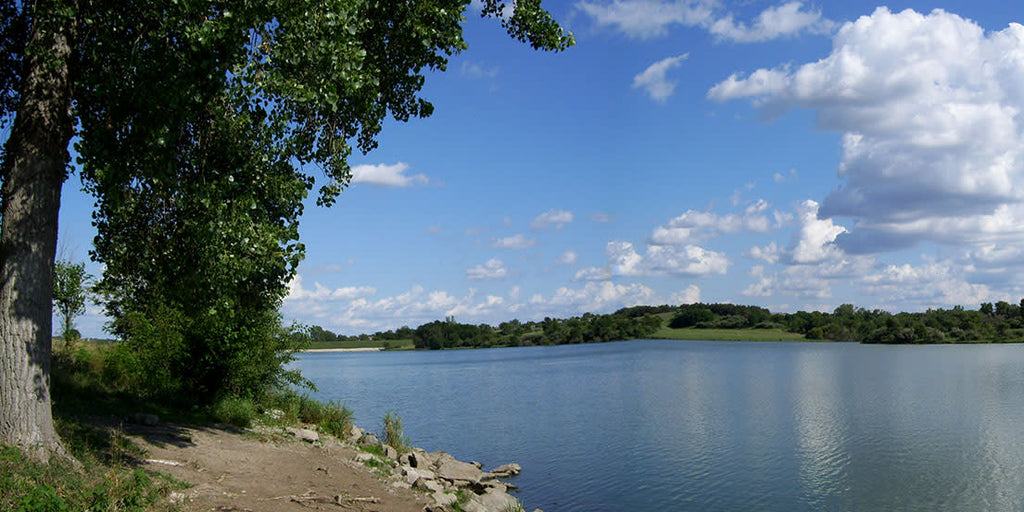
x=362, y=349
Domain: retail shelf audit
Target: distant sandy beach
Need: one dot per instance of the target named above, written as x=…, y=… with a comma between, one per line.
x=365, y=349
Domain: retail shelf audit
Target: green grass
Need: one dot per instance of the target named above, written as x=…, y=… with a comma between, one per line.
x=692, y=333
x=389, y=344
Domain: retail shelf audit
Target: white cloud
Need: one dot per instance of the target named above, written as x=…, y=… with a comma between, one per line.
x=928, y=285
x=644, y=19
x=478, y=71
x=514, y=242
x=600, y=217
x=689, y=295
x=595, y=297
x=654, y=79
x=930, y=107
x=296, y=292
x=384, y=175
x=689, y=260
x=770, y=253
x=694, y=226
x=785, y=20
x=814, y=242
x=568, y=258
x=784, y=177
x=493, y=269
x=556, y=218
x=593, y=274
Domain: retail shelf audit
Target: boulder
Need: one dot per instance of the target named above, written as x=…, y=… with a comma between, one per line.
x=409, y=474
x=389, y=451
x=409, y=459
x=496, y=500
x=444, y=499
x=303, y=434
x=362, y=457
x=429, y=485
x=355, y=433
x=506, y=470
x=148, y=420
x=451, y=469
x=369, y=438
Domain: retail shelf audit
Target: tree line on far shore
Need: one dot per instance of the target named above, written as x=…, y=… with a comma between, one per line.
x=991, y=322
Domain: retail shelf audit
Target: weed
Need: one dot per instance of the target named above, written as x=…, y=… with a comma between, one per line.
x=234, y=410
x=393, y=435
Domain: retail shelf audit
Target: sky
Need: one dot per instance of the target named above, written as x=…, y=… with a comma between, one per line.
x=791, y=155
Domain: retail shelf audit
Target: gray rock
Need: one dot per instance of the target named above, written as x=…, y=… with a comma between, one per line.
x=495, y=500
x=369, y=438
x=362, y=457
x=430, y=485
x=444, y=499
x=409, y=474
x=389, y=451
x=409, y=459
x=475, y=505
x=355, y=433
x=507, y=470
x=451, y=469
x=303, y=434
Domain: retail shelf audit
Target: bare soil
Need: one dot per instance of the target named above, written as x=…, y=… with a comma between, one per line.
x=231, y=470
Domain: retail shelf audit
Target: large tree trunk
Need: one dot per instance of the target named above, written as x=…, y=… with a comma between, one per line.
x=34, y=170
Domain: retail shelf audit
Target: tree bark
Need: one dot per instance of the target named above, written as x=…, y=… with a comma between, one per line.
x=34, y=169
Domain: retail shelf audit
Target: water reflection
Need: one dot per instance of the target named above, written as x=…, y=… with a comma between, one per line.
x=664, y=425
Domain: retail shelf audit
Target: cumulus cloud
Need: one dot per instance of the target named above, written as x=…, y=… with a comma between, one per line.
x=296, y=291
x=935, y=282
x=785, y=20
x=514, y=242
x=694, y=226
x=593, y=274
x=493, y=269
x=568, y=258
x=654, y=79
x=645, y=19
x=689, y=260
x=383, y=175
x=814, y=240
x=551, y=218
x=929, y=107
x=596, y=297
x=689, y=295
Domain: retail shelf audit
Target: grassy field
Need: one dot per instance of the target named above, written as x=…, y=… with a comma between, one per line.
x=392, y=344
x=692, y=333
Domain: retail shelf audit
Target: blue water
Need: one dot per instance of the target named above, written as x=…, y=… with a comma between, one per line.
x=712, y=426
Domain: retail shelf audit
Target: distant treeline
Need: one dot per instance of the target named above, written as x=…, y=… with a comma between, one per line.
x=991, y=322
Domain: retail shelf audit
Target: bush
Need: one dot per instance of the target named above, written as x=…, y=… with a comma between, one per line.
x=234, y=410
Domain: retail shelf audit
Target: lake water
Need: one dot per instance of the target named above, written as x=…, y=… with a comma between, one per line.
x=651, y=425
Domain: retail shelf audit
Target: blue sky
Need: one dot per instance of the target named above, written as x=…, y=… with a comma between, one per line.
x=784, y=154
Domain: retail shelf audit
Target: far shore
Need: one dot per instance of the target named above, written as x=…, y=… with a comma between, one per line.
x=362, y=349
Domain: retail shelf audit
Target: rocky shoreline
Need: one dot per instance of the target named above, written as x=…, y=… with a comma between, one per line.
x=448, y=482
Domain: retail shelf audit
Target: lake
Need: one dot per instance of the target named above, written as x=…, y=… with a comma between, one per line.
x=650, y=425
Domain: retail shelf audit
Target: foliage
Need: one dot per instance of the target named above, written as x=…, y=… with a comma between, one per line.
x=393, y=434
x=70, y=291
x=106, y=484
x=234, y=410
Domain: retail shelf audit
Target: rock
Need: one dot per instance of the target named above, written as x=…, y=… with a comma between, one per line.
x=409, y=474
x=444, y=499
x=451, y=469
x=355, y=433
x=389, y=451
x=507, y=470
x=496, y=500
x=306, y=435
x=369, y=438
x=474, y=505
x=537, y=510
x=409, y=459
x=362, y=457
x=430, y=485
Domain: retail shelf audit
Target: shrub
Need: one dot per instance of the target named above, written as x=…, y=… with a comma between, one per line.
x=234, y=410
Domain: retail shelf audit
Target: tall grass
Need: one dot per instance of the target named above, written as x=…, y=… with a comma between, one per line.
x=393, y=434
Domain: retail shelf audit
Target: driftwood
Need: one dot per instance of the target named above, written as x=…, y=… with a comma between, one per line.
x=340, y=500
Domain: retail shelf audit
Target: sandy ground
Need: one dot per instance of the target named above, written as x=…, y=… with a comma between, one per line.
x=234, y=471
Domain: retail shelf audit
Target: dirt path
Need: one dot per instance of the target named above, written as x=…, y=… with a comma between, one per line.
x=234, y=471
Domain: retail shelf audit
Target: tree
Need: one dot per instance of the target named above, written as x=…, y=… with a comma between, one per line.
x=154, y=88
x=70, y=290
